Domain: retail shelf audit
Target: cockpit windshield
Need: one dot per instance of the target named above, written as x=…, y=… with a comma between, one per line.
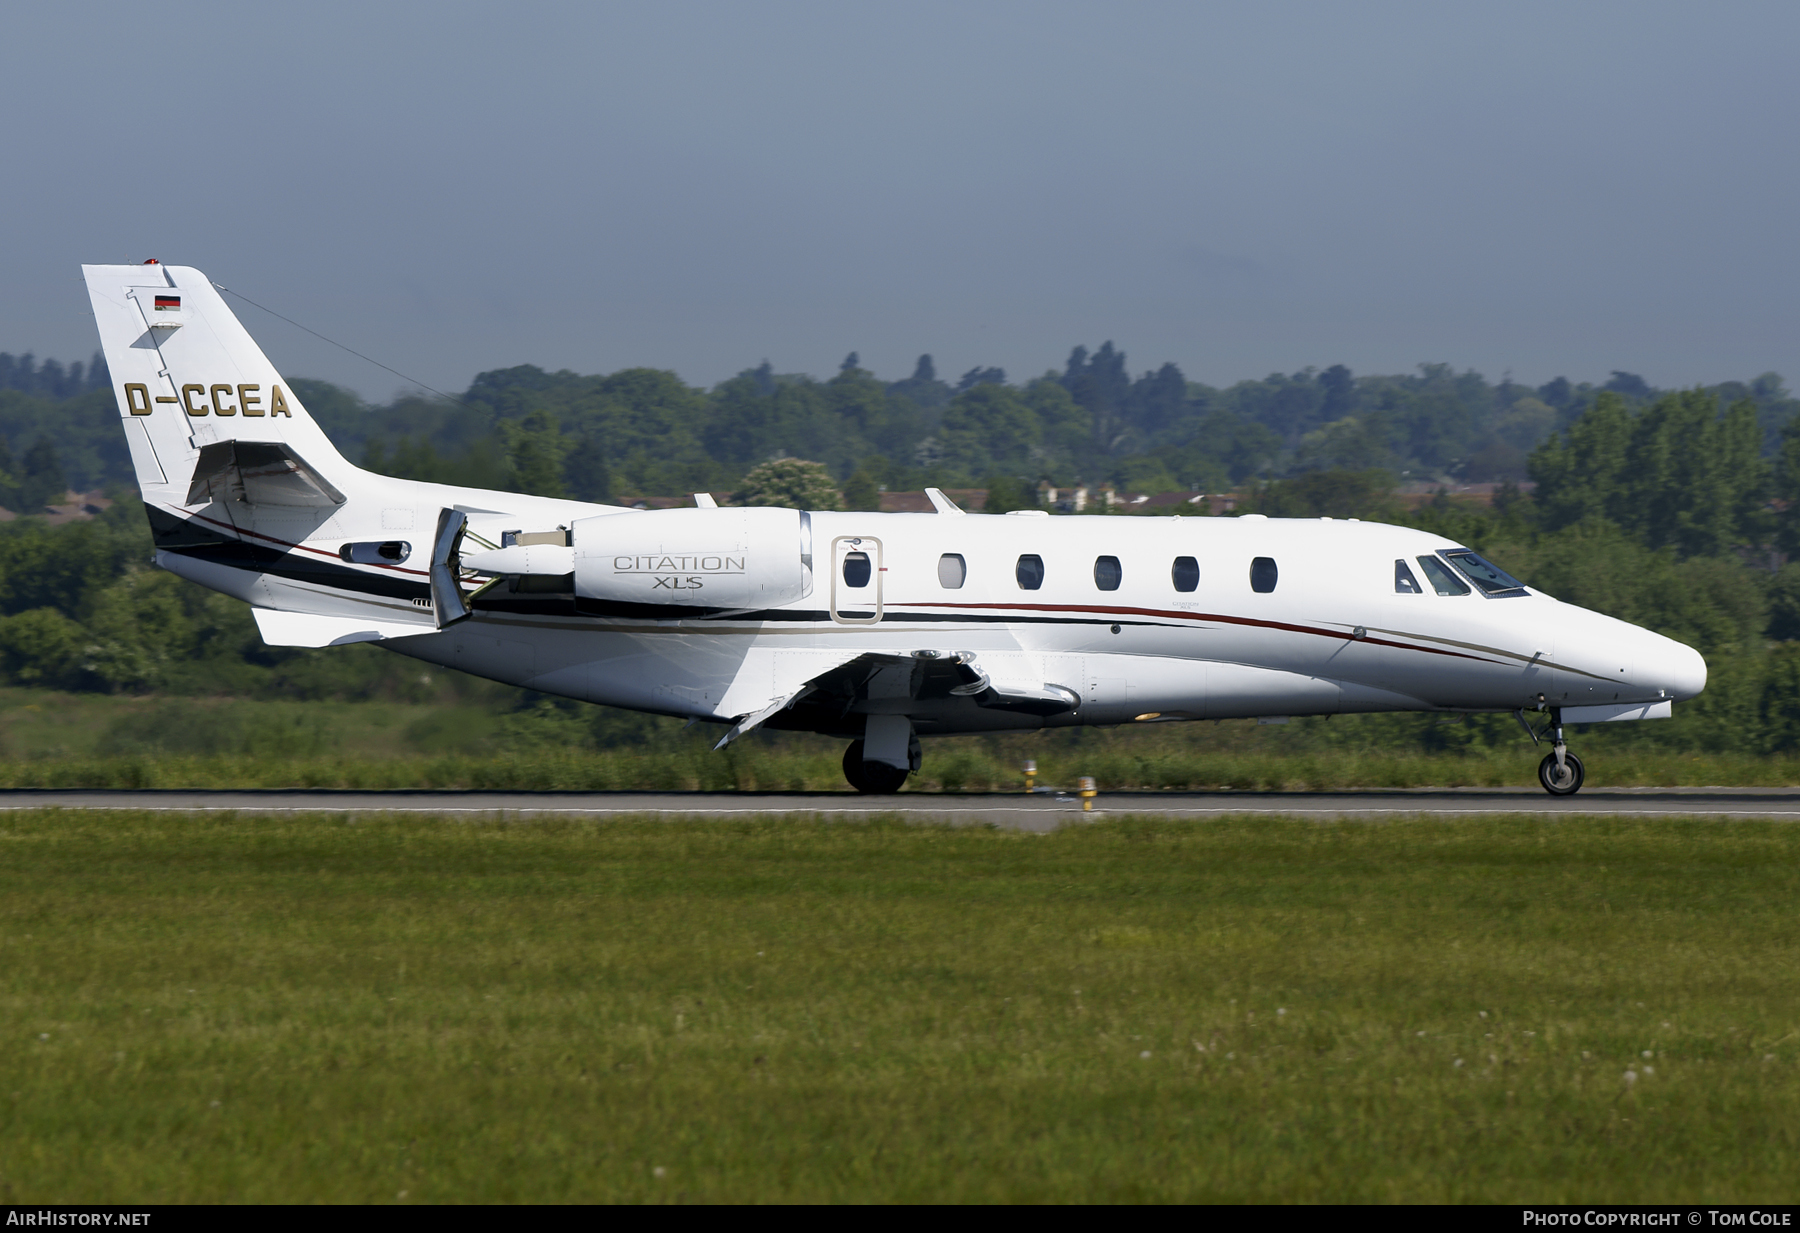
x=1495, y=583
x=1442, y=580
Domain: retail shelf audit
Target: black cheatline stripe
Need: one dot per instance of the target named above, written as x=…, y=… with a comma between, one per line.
x=191, y=537
x=256, y=559
x=172, y=531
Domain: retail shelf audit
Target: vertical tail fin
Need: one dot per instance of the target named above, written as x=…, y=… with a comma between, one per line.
x=188, y=376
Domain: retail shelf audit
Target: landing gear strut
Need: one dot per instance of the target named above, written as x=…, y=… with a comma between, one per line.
x=1560, y=772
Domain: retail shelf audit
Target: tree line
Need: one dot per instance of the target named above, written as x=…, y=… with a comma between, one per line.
x=644, y=432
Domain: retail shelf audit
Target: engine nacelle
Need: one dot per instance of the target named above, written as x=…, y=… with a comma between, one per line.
x=753, y=557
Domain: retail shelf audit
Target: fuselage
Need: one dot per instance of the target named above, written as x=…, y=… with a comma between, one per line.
x=874, y=626
x=1180, y=630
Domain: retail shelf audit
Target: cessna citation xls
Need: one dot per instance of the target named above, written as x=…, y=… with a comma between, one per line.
x=881, y=628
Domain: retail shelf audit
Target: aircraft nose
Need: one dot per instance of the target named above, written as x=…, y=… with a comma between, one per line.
x=1684, y=670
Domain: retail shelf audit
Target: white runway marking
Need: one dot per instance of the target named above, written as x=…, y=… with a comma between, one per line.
x=1019, y=812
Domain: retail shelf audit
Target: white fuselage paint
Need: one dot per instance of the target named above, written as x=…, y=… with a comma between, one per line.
x=1332, y=636
x=1219, y=651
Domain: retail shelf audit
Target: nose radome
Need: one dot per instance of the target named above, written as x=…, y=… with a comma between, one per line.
x=1683, y=669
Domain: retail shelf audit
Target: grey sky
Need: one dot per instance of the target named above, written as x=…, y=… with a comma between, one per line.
x=1546, y=188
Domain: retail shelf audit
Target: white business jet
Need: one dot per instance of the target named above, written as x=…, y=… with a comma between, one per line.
x=880, y=628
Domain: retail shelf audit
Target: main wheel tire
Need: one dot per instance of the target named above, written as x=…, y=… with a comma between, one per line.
x=1570, y=781
x=873, y=777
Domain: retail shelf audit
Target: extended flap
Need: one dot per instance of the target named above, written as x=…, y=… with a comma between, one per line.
x=311, y=629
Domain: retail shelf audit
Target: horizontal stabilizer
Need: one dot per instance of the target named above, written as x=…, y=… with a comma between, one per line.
x=259, y=473
x=309, y=629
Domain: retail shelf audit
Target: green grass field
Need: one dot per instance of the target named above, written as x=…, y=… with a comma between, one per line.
x=227, y=1008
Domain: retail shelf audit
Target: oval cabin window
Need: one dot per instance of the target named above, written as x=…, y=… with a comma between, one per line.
x=857, y=570
x=952, y=571
x=1108, y=573
x=1030, y=572
x=1263, y=575
x=1186, y=574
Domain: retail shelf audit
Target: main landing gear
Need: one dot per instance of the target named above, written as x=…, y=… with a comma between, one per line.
x=877, y=778
x=1560, y=772
x=887, y=754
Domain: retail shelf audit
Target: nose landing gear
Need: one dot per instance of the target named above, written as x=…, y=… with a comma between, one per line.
x=1560, y=772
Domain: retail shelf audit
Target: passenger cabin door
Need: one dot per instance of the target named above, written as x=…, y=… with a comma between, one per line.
x=856, y=577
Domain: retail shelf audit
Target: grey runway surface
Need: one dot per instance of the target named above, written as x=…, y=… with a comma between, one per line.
x=1017, y=811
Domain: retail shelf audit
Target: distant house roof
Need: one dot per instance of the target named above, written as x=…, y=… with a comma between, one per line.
x=1163, y=500
x=973, y=500
x=74, y=507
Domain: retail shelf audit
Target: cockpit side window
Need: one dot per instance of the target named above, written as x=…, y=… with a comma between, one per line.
x=1495, y=583
x=1404, y=582
x=1442, y=580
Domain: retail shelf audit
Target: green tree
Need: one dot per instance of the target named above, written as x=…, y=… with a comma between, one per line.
x=792, y=483
x=1780, y=700
x=9, y=478
x=861, y=491
x=1328, y=494
x=1677, y=475
x=43, y=482
x=41, y=646
x=587, y=475
x=1006, y=493
x=1146, y=473
x=1347, y=444
x=1223, y=449
x=1787, y=489
x=988, y=427
x=536, y=447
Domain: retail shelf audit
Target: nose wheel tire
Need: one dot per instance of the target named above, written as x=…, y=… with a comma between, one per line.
x=1568, y=782
x=877, y=778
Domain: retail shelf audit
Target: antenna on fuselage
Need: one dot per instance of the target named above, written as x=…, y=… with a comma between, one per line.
x=942, y=503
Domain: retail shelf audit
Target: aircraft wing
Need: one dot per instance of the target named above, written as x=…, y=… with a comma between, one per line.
x=833, y=675
x=890, y=676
